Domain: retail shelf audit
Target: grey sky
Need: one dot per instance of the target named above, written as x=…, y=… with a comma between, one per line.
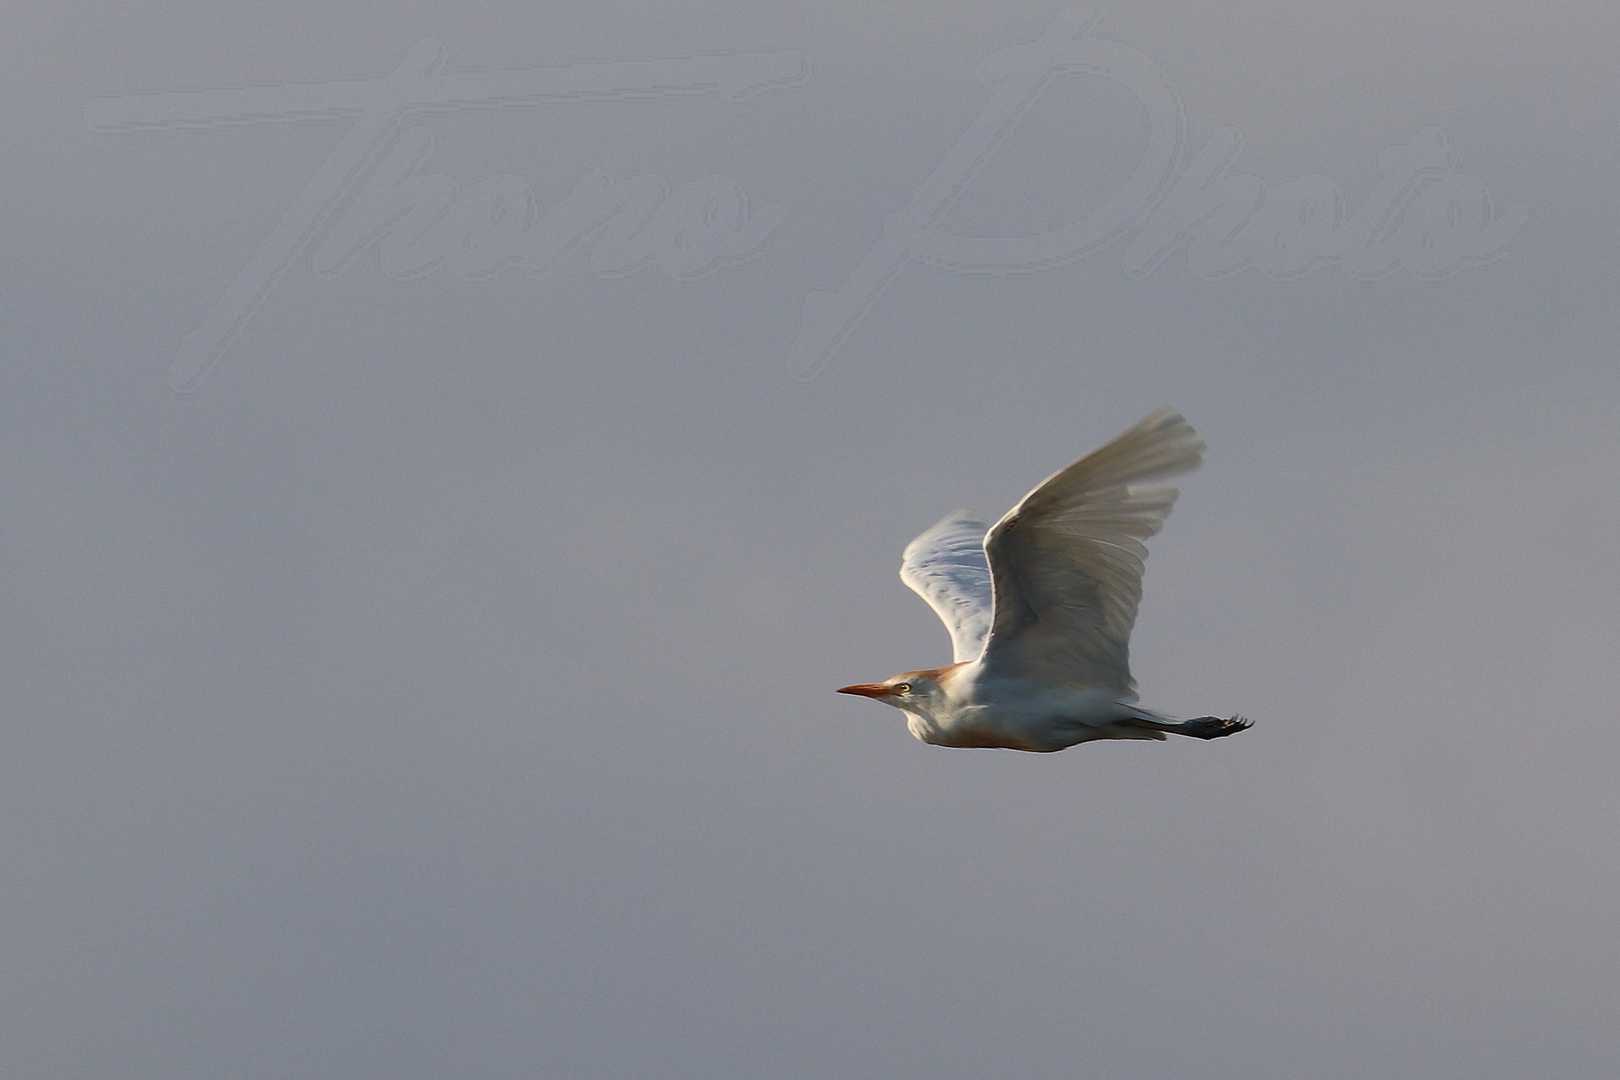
x=442, y=686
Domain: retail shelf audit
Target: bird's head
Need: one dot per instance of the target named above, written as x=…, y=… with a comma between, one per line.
x=912, y=691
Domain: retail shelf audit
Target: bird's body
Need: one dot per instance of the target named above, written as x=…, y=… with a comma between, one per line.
x=978, y=710
x=1040, y=607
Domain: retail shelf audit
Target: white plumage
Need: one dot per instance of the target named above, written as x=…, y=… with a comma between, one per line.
x=1040, y=606
x=946, y=567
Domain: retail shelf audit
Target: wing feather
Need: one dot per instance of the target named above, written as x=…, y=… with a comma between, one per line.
x=946, y=566
x=1066, y=563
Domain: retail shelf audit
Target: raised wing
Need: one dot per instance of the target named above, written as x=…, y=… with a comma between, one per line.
x=946, y=567
x=1066, y=562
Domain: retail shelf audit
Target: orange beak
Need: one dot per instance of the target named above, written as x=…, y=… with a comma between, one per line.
x=867, y=689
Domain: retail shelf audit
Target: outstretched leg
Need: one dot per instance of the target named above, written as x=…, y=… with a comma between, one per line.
x=1199, y=727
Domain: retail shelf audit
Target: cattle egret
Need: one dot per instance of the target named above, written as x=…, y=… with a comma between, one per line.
x=1040, y=607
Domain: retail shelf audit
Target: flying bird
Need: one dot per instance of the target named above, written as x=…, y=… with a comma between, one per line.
x=1040, y=607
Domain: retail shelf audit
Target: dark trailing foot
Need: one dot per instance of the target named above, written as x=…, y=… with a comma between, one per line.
x=1212, y=727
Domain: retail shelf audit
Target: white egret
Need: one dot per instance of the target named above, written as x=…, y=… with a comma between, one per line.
x=1040, y=607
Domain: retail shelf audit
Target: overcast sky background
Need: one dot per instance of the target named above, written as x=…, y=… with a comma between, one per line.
x=443, y=686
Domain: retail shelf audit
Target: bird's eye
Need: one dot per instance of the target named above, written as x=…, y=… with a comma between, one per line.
x=902, y=688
